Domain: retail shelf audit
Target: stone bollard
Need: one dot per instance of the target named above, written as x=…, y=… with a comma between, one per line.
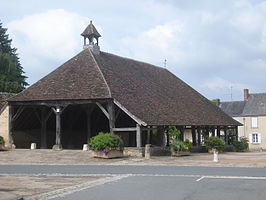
x=85, y=147
x=147, y=151
x=33, y=146
x=215, y=156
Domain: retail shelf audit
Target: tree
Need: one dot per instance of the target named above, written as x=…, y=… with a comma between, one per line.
x=12, y=77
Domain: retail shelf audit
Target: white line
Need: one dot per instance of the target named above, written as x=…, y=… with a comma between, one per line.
x=200, y=178
x=76, y=188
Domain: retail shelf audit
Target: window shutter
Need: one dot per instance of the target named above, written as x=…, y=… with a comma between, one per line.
x=250, y=138
x=259, y=138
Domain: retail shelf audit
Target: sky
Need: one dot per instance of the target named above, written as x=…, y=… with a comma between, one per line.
x=218, y=47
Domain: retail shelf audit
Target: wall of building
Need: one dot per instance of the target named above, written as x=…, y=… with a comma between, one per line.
x=247, y=129
x=4, y=124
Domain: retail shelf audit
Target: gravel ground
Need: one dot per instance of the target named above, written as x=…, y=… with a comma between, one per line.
x=78, y=157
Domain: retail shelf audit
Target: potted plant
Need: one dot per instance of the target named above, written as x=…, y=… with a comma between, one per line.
x=214, y=144
x=106, y=145
x=2, y=143
x=242, y=145
x=178, y=147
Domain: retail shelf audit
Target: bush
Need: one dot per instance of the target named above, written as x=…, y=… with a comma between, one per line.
x=215, y=143
x=106, y=142
x=2, y=140
x=177, y=145
x=241, y=145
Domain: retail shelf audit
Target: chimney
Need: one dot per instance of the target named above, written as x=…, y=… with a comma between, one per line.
x=246, y=94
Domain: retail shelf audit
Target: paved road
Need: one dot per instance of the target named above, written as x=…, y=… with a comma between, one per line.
x=158, y=182
x=123, y=169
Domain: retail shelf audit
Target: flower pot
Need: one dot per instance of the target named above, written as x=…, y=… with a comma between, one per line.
x=110, y=154
x=180, y=153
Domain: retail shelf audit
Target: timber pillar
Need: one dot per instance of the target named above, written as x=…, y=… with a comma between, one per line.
x=58, y=111
x=138, y=136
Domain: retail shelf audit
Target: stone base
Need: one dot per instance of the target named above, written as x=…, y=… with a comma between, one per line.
x=110, y=154
x=181, y=153
x=57, y=147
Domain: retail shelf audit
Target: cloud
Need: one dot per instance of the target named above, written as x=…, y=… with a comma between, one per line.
x=46, y=38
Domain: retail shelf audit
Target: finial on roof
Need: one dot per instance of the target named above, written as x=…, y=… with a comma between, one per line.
x=91, y=34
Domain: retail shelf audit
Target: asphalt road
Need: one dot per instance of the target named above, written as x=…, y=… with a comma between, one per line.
x=159, y=182
x=125, y=169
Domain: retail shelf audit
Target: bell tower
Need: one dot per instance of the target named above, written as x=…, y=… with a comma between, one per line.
x=91, y=38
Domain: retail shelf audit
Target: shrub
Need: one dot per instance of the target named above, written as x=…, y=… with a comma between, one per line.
x=173, y=132
x=177, y=145
x=106, y=142
x=2, y=140
x=241, y=145
x=215, y=143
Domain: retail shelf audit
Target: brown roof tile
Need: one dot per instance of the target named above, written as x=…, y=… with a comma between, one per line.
x=152, y=94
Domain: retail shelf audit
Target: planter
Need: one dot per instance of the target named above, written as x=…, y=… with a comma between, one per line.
x=110, y=154
x=2, y=146
x=180, y=153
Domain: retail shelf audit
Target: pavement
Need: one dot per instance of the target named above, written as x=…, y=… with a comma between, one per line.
x=28, y=173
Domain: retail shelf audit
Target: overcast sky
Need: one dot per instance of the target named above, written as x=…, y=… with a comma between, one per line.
x=218, y=47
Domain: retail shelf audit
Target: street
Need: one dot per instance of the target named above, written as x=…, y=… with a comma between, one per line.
x=155, y=182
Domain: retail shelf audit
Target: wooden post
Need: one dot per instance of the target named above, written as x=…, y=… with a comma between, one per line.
x=236, y=128
x=225, y=135
x=199, y=135
x=148, y=141
x=218, y=131
x=194, y=142
x=111, y=112
x=89, y=109
x=213, y=131
x=43, y=130
x=10, y=126
x=138, y=135
x=58, y=111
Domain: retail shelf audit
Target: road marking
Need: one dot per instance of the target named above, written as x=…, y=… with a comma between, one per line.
x=76, y=188
x=200, y=178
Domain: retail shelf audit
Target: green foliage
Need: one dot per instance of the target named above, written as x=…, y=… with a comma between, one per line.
x=177, y=145
x=173, y=132
x=216, y=101
x=106, y=141
x=215, y=143
x=241, y=145
x=11, y=71
x=2, y=140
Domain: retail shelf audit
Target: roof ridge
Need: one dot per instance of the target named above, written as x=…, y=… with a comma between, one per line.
x=134, y=60
x=108, y=88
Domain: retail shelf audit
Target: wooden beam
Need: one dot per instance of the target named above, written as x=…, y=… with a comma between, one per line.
x=124, y=129
x=138, y=135
x=17, y=114
x=148, y=141
x=89, y=110
x=111, y=111
x=58, y=110
x=103, y=109
x=136, y=119
x=193, y=131
x=10, y=125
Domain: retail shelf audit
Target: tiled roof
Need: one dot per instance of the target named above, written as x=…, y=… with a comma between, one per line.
x=233, y=108
x=152, y=94
x=255, y=105
x=3, y=99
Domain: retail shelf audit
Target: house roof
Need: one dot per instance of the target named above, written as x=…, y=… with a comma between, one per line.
x=90, y=30
x=255, y=105
x=152, y=94
x=4, y=96
x=233, y=108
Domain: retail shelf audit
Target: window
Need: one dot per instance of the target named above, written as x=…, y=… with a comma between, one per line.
x=255, y=138
x=254, y=122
